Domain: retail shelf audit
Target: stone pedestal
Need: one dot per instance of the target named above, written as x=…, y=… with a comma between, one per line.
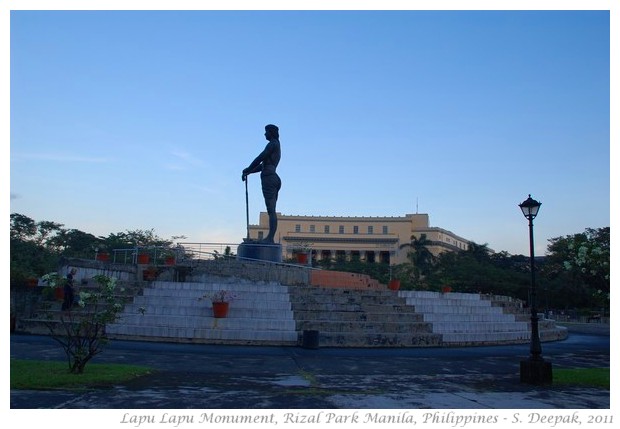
x=260, y=251
x=536, y=371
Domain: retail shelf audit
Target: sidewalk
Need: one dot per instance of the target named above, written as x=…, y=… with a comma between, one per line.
x=240, y=377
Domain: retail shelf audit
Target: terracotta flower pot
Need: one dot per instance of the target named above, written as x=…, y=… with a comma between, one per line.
x=220, y=309
x=394, y=284
x=149, y=275
x=59, y=293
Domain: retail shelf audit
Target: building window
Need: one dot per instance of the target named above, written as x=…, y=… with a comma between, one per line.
x=326, y=229
x=341, y=229
x=370, y=229
x=298, y=228
x=385, y=229
x=260, y=235
x=356, y=230
x=312, y=228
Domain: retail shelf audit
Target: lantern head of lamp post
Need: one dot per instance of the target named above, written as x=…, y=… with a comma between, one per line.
x=534, y=370
x=530, y=207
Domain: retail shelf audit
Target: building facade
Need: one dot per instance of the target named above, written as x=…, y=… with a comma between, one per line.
x=370, y=239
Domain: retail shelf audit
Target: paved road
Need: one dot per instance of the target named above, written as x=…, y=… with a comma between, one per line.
x=239, y=377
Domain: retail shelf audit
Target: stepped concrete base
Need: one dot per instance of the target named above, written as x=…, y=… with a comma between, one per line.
x=277, y=303
x=260, y=251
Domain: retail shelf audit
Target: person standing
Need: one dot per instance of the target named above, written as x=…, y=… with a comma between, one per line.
x=69, y=291
x=266, y=163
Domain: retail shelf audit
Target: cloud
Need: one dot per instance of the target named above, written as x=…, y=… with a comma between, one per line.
x=182, y=160
x=186, y=158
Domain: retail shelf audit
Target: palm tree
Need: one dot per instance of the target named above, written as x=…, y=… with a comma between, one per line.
x=421, y=258
x=480, y=252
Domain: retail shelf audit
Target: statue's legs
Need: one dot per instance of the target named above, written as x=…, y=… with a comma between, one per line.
x=273, y=219
x=271, y=185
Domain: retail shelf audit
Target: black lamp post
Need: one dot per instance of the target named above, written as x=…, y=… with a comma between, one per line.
x=534, y=370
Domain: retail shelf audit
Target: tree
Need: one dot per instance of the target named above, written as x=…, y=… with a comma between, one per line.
x=28, y=255
x=583, y=262
x=82, y=333
x=136, y=238
x=22, y=227
x=79, y=244
x=47, y=235
x=421, y=258
x=480, y=252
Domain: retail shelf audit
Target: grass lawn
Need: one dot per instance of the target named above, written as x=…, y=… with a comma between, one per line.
x=43, y=375
x=589, y=377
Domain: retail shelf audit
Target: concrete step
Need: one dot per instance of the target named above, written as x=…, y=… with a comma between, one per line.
x=478, y=327
x=328, y=307
x=345, y=339
x=206, y=320
x=239, y=286
x=418, y=294
x=209, y=335
x=364, y=328
x=206, y=309
x=385, y=315
x=485, y=338
x=469, y=318
x=301, y=297
x=192, y=301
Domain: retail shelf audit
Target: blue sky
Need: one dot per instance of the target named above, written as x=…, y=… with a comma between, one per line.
x=123, y=120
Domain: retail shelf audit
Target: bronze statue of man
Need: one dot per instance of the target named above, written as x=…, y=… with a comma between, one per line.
x=266, y=163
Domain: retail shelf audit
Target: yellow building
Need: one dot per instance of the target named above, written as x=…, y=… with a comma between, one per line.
x=371, y=239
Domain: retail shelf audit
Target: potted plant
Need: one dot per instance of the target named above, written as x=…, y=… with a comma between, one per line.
x=169, y=257
x=143, y=257
x=56, y=284
x=220, y=302
x=150, y=273
x=302, y=251
x=394, y=284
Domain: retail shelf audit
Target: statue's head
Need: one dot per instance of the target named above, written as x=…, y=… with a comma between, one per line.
x=271, y=131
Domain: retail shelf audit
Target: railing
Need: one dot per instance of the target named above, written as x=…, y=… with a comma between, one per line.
x=192, y=259
x=229, y=249
x=160, y=255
